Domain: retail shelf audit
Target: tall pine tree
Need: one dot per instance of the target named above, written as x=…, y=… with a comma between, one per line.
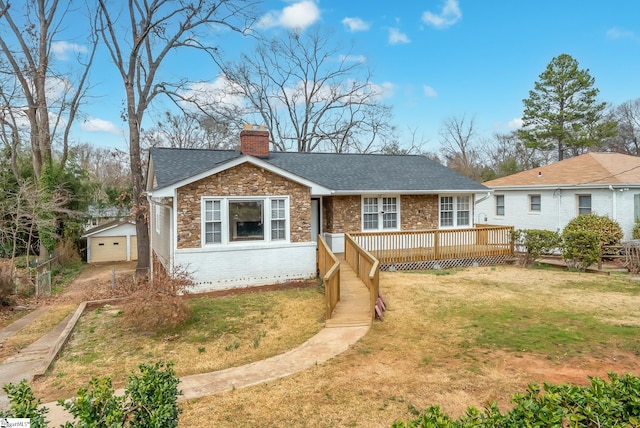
x=562, y=112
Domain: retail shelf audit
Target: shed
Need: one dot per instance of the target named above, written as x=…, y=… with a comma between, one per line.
x=112, y=242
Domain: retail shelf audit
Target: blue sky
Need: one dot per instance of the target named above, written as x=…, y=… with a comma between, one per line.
x=436, y=59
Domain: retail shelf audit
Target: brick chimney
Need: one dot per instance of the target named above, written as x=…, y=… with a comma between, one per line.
x=254, y=141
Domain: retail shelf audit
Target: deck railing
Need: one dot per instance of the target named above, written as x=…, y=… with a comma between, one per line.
x=436, y=244
x=329, y=267
x=366, y=267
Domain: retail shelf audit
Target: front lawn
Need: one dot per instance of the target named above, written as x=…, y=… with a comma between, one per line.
x=454, y=338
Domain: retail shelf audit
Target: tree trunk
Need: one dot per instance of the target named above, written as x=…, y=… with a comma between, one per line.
x=140, y=205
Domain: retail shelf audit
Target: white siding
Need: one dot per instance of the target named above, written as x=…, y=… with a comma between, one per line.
x=161, y=241
x=557, y=208
x=235, y=266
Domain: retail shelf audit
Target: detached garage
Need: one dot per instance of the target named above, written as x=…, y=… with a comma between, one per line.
x=112, y=242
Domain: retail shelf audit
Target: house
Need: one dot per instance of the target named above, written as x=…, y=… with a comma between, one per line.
x=550, y=196
x=99, y=215
x=113, y=241
x=250, y=217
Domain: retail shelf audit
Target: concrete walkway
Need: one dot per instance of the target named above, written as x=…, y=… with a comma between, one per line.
x=331, y=341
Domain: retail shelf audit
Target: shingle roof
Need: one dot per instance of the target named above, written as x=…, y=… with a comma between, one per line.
x=591, y=168
x=340, y=172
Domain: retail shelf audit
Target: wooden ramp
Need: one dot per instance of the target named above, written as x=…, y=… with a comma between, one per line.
x=353, y=307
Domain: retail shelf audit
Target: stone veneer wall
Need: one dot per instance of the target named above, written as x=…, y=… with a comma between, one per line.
x=242, y=180
x=341, y=214
x=419, y=212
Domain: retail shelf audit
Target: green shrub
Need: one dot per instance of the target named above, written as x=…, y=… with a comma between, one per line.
x=608, y=231
x=613, y=403
x=536, y=242
x=23, y=404
x=635, y=232
x=150, y=400
x=580, y=248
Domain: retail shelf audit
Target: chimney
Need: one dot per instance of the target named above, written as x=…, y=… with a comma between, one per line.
x=254, y=141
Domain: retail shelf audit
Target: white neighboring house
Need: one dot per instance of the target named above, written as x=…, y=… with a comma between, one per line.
x=550, y=196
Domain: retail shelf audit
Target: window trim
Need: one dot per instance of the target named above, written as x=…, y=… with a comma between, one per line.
x=498, y=206
x=531, y=196
x=380, y=213
x=225, y=239
x=455, y=217
x=578, y=207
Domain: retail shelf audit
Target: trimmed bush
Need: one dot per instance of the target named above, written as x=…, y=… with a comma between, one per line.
x=580, y=249
x=536, y=242
x=635, y=233
x=608, y=231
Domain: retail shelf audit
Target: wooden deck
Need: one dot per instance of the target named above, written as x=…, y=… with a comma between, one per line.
x=353, y=308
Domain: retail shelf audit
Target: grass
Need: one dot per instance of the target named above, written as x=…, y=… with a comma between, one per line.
x=467, y=337
x=35, y=330
x=221, y=333
x=453, y=338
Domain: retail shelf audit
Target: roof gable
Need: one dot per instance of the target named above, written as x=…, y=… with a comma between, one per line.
x=108, y=226
x=598, y=169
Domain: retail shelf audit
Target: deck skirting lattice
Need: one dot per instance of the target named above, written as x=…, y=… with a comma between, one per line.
x=447, y=264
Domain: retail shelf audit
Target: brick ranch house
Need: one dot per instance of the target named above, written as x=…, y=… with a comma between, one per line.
x=252, y=217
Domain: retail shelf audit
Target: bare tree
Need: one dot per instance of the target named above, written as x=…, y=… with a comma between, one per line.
x=25, y=46
x=192, y=131
x=459, y=146
x=627, y=115
x=139, y=44
x=507, y=154
x=311, y=94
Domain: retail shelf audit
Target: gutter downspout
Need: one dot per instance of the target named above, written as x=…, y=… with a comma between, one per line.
x=487, y=196
x=152, y=225
x=614, y=203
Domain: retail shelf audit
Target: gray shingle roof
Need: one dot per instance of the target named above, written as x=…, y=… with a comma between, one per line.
x=339, y=172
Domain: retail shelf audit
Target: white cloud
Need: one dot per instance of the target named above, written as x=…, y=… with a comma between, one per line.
x=616, y=33
x=429, y=91
x=353, y=58
x=449, y=15
x=220, y=91
x=396, y=36
x=514, y=124
x=355, y=24
x=62, y=49
x=296, y=16
x=383, y=90
x=99, y=125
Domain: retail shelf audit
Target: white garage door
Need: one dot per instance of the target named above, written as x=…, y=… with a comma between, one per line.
x=108, y=249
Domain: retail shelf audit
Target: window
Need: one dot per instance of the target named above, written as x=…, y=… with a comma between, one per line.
x=636, y=206
x=229, y=220
x=584, y=204
x=455, y=211
x=212, y=222
x=278, y=220
x=499, y=204
x=380, y=213
x=534, y=203
x=246, y=221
